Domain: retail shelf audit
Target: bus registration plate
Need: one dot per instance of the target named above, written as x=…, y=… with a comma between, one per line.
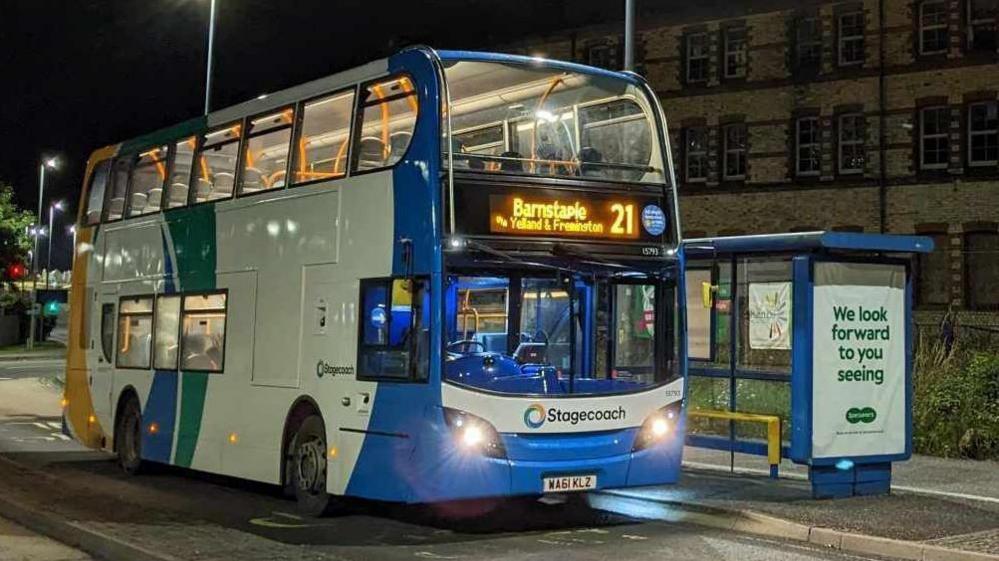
x=567, y=483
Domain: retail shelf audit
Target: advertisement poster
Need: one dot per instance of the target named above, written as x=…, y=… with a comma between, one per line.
x=858, y=364
x=770, y=315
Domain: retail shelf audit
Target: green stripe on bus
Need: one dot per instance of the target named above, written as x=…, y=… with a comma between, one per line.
x=192, y=408
x=194, y=243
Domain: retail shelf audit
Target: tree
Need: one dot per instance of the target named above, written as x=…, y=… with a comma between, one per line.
x=14, y=222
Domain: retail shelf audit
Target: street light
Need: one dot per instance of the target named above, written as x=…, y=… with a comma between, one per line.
x=47, y=163
x=72, y=231
x=48, y=263
x=211, y=48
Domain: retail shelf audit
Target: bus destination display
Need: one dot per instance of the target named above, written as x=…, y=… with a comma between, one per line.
x=565, y=215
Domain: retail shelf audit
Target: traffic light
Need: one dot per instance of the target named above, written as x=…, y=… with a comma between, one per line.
x=51, y=308
x=15, y=271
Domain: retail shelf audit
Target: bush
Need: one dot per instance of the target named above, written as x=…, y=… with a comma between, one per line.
x=956, y=402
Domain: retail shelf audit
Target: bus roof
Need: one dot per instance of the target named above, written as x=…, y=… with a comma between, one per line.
x=476, y=56
x=270, y=101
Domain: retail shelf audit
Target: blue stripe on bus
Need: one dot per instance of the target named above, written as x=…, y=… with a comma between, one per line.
x=160, y=417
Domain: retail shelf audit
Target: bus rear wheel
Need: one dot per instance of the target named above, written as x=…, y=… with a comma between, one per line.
x=308, y=467
x=128, y=438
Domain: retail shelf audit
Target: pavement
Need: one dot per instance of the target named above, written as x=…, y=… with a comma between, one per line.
x=17, y=543
x=80, y=497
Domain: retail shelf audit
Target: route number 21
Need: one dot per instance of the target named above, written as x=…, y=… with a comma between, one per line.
x=624, y=219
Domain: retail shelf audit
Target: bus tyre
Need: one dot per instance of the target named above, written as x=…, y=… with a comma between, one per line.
x=128, y=438
x=308, y=467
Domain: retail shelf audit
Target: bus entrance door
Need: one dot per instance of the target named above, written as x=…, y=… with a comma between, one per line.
x=102, y=337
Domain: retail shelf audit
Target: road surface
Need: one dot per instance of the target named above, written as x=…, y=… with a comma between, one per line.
x=190, y=515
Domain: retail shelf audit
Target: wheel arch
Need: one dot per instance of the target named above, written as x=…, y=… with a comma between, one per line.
x=127, y=393
x=300, y=409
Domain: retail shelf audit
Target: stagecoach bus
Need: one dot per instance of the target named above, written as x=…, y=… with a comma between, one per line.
x=438, y=276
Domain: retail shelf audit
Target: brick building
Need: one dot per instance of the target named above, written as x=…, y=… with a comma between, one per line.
x=871, y=115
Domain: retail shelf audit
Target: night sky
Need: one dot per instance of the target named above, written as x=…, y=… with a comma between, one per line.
x=80, y=74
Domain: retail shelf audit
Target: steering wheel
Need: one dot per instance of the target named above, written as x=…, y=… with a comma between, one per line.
x=465, y=346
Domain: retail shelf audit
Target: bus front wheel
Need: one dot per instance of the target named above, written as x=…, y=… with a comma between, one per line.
x=128, y=437
x=308, y=467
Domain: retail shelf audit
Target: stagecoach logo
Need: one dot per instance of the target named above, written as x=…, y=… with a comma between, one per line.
x=324, y=368
x=536, y=415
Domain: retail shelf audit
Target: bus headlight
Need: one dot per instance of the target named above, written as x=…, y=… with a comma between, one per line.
x=658, y=427
x=473, y=434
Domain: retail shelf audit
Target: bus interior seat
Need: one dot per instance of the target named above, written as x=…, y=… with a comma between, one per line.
x=371, y=152
x=138, y=204
x=115, y=206
x=223, y=184
x=510, y=165
x=588, y=154
x=178, y=194
x=202, y=190
x=153, y=199
x=398, y=141
x=253, y=181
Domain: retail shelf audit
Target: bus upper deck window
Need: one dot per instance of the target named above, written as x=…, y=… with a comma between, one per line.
x=149, y=174
x=95, y=195
x=325, y=138
x=387, y=119
x=215, y=175
x=180, y=175
x=115, y=206
x=265, y=160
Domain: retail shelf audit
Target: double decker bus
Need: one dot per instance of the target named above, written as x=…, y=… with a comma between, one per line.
x=438, y=276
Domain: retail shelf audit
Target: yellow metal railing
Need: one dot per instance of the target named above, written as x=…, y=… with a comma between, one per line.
x=773, y=430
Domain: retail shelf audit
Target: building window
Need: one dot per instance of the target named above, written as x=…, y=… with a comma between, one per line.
x=808, y=148
x=983, y=134
x=851, y=38
x=697, y=57
x=851, y=143
x=696, y=154
x=135, y=328
x=735, y=52
x=934, y=146
x=393, y=341
x=982, y=25
x=933, y=33
x=808, y=43
x=932, y=273
x=202, y=340
x=981, y=258
x=603, y=56
x=734, y=141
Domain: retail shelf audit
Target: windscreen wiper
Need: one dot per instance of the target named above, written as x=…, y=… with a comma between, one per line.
x=563, y=250
x=472, y=244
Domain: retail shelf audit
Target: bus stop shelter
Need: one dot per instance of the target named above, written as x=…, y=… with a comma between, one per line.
x=800, y=347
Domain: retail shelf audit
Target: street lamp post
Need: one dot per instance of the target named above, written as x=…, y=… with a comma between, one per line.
x=48, y=262
x=72, y=231
x=211, y=49
x=49, y=163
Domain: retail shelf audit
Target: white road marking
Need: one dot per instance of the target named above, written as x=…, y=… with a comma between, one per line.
x=55, y=425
